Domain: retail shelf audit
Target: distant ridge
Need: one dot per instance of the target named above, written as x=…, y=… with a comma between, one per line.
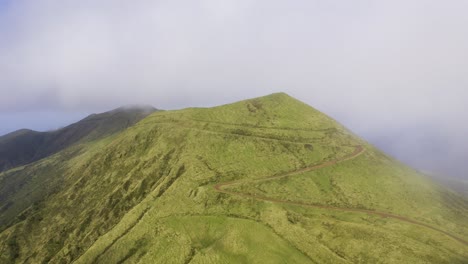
x=24, y=146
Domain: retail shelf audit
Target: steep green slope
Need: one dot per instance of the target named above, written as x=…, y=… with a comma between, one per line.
x=25, y=146
x=23, y=187
x=267, y=180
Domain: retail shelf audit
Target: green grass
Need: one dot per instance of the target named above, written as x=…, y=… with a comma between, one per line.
x=204, y=239
x=146, y=195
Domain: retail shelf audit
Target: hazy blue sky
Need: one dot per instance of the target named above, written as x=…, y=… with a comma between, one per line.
x=395, y=72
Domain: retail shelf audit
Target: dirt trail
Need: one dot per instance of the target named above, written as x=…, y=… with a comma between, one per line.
x=357, y=151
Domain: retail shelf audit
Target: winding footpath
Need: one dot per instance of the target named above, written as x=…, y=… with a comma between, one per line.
x=220, y=187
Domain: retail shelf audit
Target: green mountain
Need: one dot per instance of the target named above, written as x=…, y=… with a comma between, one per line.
x=25, y=146
x=266, y=180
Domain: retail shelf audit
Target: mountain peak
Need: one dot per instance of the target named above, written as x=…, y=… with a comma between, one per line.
x=136, y=107
x=276, y=96
x=277, y=109
x=281, y=98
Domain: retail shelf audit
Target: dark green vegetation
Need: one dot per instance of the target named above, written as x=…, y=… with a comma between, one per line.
x=25, y=146
x=147, y=195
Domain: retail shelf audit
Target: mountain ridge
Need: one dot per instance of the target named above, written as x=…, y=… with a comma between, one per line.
x=25, y=145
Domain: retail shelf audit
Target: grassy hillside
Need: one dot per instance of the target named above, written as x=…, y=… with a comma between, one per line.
x=26, y=186
x=25, y=146
x=266, y=180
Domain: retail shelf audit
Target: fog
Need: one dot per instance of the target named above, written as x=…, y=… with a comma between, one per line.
x=394, y=72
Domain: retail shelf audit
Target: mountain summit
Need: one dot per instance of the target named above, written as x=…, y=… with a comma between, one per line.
x=264, y=180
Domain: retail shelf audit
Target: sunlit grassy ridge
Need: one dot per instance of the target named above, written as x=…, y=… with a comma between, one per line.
x=146, y=195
